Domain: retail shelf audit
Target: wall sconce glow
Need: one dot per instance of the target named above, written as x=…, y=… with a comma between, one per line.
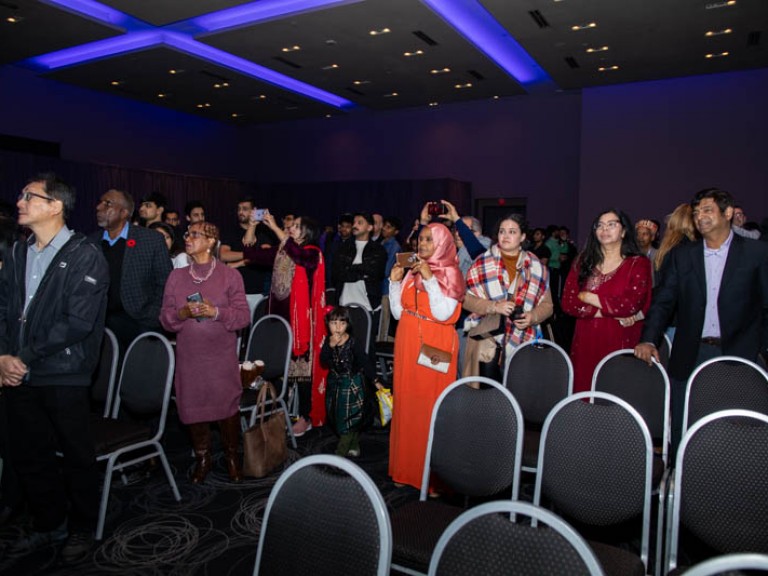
x=475, y=23
x=258, y=11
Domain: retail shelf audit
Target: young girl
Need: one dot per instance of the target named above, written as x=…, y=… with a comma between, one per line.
x=349, y=367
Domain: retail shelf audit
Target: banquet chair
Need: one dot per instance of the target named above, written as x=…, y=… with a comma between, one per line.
x=474, y=448
x=485, y=540
x=595, y=470
x=103, y=387
x=665, y=349
x=722, y=383
x=143, y=394
x=719, y=493
x=271, y=340
x=324, y=516
x=728, y=563
x=539, y=374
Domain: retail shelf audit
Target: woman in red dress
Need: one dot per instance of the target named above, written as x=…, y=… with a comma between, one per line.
x=608, y=290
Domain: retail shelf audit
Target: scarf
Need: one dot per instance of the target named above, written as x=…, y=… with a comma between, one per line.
x=444, y=264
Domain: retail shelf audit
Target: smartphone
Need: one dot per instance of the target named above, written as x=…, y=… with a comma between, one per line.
x=517, y=313
x=436, y=208
x=257, y=214
x=406, y=259
x=196, y=297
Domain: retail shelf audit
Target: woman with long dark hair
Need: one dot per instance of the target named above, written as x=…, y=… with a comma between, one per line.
x=298, y=295
x=607, y=287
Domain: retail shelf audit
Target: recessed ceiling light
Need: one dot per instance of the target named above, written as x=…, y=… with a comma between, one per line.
x=175, y=71
x=292, y=49
x=597, y=49
x=432, y=104
x=259, y=97
x=710, y=33
x=328, y=115
x=586, y=26
x=391, y=95
x=414, y=53
x=379, y=32
x=462, y=86
x=162, y=95
x=221, y=85
x=116, y=82
x=361, y=82
x=14, y=19
x=440, y=71
x=235, y=115
x=608, y=68
x=204, y=105
x=331, y=67
x=716, y=5
x=718, y=55
x=496, y=97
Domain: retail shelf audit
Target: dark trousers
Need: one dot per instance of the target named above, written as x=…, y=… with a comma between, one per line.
x=677, y=394
x=126, y=330
x=42, y=420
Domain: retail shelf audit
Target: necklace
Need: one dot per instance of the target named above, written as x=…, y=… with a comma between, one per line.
x=195, y=278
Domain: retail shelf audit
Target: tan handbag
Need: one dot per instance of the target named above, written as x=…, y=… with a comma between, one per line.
x=264, y=445
x=434, y=358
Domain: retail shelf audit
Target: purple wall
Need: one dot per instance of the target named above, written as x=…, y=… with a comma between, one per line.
x=647, y=147
x=516, y=147
x=100, y=128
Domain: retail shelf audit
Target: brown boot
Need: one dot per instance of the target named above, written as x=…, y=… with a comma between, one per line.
x=230, y=440
x=200, y=434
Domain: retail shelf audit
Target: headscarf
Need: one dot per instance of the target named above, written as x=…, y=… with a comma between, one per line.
x=444, y=264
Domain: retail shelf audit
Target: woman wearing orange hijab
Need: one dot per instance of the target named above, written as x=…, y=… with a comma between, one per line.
x=426, y=300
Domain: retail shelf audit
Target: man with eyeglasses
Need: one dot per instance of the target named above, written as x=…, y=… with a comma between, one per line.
x=138, y=268
x=719, y=287
x=53, y=295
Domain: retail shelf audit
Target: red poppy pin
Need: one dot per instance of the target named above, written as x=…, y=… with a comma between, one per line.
x=130, y=243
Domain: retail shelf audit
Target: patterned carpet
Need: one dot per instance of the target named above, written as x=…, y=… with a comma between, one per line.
x=214, y=530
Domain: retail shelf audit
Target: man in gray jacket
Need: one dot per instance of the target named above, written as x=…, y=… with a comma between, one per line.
x=53, y=294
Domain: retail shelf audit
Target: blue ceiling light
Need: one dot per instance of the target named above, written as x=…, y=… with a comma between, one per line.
x=259, y=11
x=477, y=25
x=142, y=35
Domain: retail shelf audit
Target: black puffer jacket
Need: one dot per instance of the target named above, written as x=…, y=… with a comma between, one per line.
x=59, y=336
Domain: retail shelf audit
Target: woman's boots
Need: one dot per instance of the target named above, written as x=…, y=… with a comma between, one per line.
x=200, y=435
x=229, y=430
x=230, y=440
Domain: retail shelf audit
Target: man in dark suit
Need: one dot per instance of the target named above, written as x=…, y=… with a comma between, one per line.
x=139, y=264
x=719, y=287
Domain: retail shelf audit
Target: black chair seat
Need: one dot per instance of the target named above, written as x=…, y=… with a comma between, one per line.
x=617, y=562
x=110, y=435
x=416, y=528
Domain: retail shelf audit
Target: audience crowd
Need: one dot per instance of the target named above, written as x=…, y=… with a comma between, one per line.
x=450, y=300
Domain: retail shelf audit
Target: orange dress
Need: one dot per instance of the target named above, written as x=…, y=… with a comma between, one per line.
x=416, y=387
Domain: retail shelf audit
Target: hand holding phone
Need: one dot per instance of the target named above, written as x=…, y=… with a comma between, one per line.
x=406, y=259
x=436, y=209
x=195, y=298
x=257, y=214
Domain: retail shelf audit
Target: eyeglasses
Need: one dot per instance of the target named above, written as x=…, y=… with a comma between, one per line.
x=195, y=235
x=26, y=195
x=610, y=225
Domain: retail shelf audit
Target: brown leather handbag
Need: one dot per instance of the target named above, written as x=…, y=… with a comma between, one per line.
x=264, y=444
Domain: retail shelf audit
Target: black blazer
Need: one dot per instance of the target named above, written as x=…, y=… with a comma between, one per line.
x=742, y=303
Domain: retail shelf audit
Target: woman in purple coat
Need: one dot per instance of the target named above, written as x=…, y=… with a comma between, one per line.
x=205, y=305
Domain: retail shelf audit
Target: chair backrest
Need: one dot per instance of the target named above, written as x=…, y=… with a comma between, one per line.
x=728, y=563
x=271, y=340
x=664, y=351
x=539, y=374
x=595, y=462
x=361, y=325
x=723, y=383
x=105, y=376
x=483, y=540
x=260, y=310
x=146, y=378
x=721, y=483
x=324, y=516
x=645, y=387
x=475, y=439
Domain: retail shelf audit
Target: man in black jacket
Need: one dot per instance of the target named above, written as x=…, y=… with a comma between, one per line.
x=358, y=267
x=53, y=295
